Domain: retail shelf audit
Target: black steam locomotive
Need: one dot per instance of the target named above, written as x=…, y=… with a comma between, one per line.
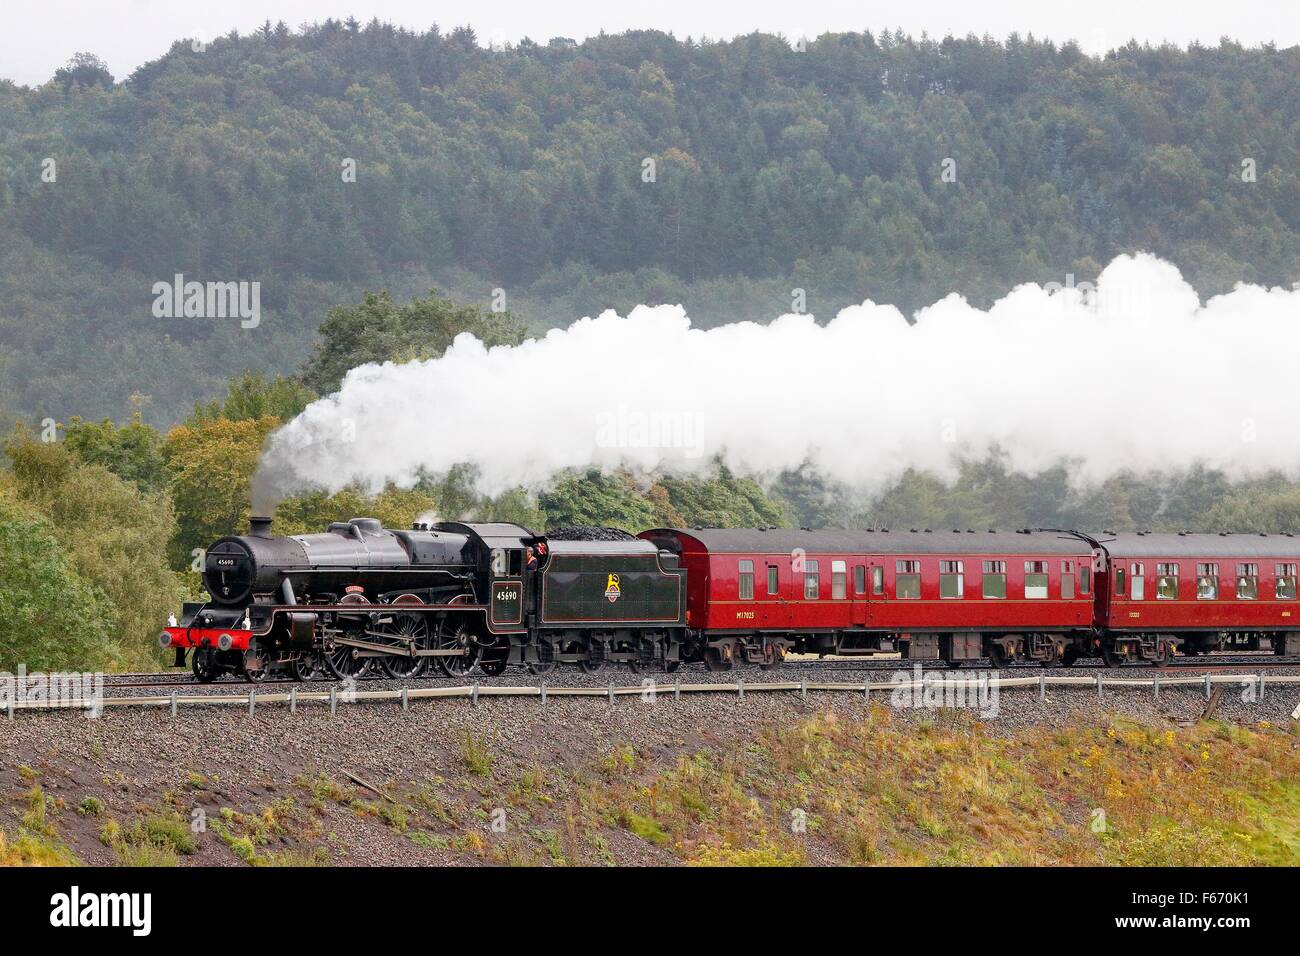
x=448, y=595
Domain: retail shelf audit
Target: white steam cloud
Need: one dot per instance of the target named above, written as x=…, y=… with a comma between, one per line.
x=1135, y=373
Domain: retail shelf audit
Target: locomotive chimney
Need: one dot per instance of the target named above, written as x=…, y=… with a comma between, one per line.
x=259, y=527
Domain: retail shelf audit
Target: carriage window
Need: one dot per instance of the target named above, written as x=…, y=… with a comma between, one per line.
x=839, y=580
x=859, y=579
x=1035, y=579
x=995, y=579
x=773, y=581
x=1119, y=582
x=1207, y=582
x=877, y=580
x=745, y=580
x=952, y=580
x=1284, y=583
x=1085, y=579
x=1166, y=582
x=1137, y=587
x=1067, y=579
x=907, y=580
x=1247, y=582
x=812, y=581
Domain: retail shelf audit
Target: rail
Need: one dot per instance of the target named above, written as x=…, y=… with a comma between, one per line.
x=650, y=689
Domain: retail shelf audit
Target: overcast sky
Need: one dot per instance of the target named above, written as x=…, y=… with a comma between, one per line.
x=37, y=38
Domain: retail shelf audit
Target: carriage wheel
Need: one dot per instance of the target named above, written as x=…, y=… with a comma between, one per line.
x=716, y=660
x=457, y=638
x=204, y=665
x=997, y=655
x=404, y=627
x=1110, y=657
x=1165, y=652
x=1070, y=656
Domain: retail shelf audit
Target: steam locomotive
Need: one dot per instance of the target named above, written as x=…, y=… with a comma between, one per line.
x=450, y=595
x=459, y=596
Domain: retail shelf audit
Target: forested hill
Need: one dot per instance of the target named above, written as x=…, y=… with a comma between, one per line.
x=524, y=170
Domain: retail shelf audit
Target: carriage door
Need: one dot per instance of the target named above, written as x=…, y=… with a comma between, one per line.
x=507, y=589
x=776, y=582
x=859, y=582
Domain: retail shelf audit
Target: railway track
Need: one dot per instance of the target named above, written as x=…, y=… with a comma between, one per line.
x=1198, y=665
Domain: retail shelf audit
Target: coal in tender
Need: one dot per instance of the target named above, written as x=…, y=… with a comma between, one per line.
x=588, y=532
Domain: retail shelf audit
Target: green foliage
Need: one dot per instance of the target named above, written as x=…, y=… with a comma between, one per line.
x=377, y=330
x=211, y=465
x=594, y=498
x=84, y=69
x=724, y=501
x=250, y=397
x=50, y=617
x=111, y=532
x=133, y=451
